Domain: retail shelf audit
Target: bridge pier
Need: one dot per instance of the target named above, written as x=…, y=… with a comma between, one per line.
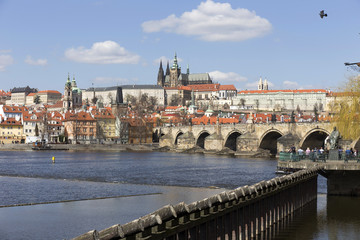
x=343, y=178
x=214, y=142
x=346, y=183
x=186, y=141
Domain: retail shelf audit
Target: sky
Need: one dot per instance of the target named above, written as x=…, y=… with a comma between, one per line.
x=106, y=43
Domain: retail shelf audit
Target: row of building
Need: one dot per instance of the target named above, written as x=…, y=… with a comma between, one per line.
x=203, y=95
x=91, y=125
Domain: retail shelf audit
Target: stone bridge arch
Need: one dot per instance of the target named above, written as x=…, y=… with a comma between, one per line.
x=314, y=138
x=268, y=140
x=200, y=140
x=177, y=135
x=230, y=140
x=355, y=144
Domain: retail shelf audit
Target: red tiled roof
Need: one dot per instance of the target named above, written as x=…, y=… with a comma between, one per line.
x=287, y=91
x=11, y=122
x=50, y=91
x=102, y=113
x=227, y=87
x=204, y=87
x=343, y=94
x=14, y=109
x=3, y=93
x=80, y=116
x=58, y=104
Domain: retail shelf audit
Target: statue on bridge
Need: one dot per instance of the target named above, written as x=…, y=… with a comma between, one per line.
x=332, y=140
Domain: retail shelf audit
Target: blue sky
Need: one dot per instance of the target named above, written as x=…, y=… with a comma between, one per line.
x=116, y=42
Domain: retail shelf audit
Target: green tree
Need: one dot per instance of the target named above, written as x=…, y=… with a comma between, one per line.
x=347, y=109
x=37, y=99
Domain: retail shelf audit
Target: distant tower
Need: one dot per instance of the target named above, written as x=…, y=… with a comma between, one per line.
x=260, y=85
x=67, y=102
x=167, y=69
x=265, y=86
x=174, y=73
x=76, y=94
x=187, y=70
x=161, y=76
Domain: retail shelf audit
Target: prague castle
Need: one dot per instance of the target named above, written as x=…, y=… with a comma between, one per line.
x=174, y=78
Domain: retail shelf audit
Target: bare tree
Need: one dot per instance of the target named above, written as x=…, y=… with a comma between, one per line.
x=242, y=102
x=175, y=100
x=153, y=102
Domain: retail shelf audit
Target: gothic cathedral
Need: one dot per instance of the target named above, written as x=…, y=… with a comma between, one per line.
x=174, y=78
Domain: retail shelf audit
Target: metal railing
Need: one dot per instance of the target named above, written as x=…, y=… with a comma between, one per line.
x=317, y=157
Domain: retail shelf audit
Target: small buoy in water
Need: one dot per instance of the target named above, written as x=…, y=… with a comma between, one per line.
x=53, y=159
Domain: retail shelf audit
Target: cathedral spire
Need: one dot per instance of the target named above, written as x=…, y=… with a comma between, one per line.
x=167, y=69
x=161, y=77
x=187, y=70
x=175, y=64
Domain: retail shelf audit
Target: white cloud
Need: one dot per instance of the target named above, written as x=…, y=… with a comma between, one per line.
x=213, y=21
x=101, y=81
x=39, y=62
x=229, y=77
x=164, y=60
x=107, y=52
x=5, y=60
x=290, y=85
x=5, y=51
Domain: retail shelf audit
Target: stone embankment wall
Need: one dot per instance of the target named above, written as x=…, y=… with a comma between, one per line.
x=83, y=147
x=242, y=213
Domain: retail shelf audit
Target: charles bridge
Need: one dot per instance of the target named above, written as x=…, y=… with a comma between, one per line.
x=247, y=139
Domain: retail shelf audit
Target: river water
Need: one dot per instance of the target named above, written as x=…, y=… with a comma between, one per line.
x=82, y=191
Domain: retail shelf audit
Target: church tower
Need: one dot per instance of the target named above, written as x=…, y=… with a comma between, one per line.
x=161, y=76
x=68, y=97
x=260, y=85
x=266, y=86
x=175, y=73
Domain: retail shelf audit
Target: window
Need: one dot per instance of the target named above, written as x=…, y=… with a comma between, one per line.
x=84, y=129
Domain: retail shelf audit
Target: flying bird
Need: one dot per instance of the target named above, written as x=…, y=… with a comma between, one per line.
x=322, y=14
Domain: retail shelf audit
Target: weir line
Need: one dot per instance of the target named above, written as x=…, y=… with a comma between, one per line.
x=243, y=213
x=77, y=200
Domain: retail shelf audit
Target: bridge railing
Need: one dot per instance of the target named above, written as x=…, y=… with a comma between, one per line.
x=316, y=157
x=243, y=213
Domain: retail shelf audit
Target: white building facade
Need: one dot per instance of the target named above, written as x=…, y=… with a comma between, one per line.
x=278, y=100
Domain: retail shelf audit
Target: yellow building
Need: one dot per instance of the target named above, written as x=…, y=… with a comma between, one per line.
x=105, y=124
x=11, y=131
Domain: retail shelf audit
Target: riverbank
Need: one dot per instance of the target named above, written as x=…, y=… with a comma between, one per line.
x=84, y=147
